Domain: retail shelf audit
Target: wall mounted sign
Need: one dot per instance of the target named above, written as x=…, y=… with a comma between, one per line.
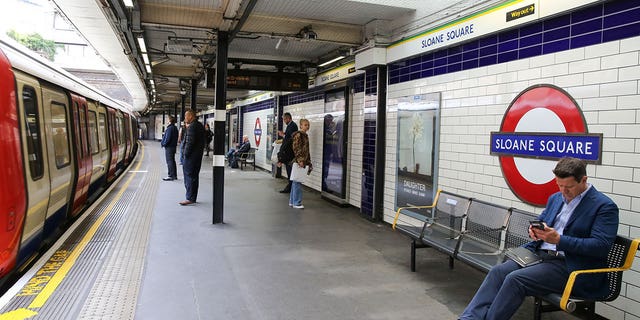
x=542, y=124
x=257, y=132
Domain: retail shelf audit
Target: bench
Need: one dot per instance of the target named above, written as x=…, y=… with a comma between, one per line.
x=438, y=225
x=478, y=233
x=248, y=158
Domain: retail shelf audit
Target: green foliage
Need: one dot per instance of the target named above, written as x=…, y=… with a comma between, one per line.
x=35, y=42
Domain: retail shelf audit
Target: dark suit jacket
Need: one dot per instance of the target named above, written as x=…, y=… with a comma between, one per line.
x=586, y=239
x=245, y=147
x=170, y=137
x=292, y=127
x=194, y=142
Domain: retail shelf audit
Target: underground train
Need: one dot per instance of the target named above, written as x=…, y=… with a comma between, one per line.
x=62, y=143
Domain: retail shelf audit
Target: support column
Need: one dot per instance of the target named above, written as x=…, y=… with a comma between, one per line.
x=218, y=128
x=381, y=146
x=183, y=98
x=194, y=91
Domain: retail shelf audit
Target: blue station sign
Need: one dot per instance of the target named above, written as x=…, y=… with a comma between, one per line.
x=547, y=146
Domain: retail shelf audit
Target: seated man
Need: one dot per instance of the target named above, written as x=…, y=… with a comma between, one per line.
x=235, y=154
x=579, y=226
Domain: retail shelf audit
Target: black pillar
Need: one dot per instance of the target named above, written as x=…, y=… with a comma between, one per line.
x=381, y=133
x=163, y=120
x=182, y=103
x=218, y=128
x=194, y=91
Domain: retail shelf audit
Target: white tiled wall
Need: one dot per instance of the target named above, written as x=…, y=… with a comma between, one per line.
x=605, y=82
x=355, y=147
x=248, y=125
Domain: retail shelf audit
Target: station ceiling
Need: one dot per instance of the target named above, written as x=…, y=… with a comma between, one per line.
x=268, y=35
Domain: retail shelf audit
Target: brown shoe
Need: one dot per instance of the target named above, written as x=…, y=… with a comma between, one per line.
x=186, y=203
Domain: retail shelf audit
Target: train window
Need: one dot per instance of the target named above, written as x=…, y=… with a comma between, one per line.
x=60, y=134
x=93, y=132
x=102, y=133
x=32, y=125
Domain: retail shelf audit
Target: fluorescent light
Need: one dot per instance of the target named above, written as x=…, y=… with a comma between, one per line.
x=331, y=61
x=153, y=83
x=278, y=44
x=145, y=57
x=128, y=3
x=143, y=47
x=148, y=68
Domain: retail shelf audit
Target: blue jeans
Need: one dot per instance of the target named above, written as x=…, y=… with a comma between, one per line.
x=505, y=287
x=295, y=197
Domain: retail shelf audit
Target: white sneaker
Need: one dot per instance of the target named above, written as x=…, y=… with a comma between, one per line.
x=290, y=204
x=299, y=207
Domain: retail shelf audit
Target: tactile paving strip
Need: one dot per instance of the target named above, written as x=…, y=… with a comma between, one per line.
x=115, y=291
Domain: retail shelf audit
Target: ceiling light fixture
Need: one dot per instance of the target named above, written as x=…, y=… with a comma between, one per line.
x=143, y=47
x=331, y=61
x=278, y=44
x=128, y=3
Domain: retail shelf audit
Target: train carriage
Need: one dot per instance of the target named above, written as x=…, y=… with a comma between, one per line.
x=63, y=141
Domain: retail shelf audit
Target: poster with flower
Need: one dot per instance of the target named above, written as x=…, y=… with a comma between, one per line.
x=417, y=126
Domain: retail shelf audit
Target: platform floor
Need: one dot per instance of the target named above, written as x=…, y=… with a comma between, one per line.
x=143, y=256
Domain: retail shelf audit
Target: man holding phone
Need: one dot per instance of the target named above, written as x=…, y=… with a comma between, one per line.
x=576, y=230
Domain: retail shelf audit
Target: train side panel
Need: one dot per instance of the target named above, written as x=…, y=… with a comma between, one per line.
x=36, y=168
x=83, y=156
x=12, y=197
x=97, y=120
x=57, y=134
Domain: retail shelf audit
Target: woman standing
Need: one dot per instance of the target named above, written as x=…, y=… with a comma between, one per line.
x=302, y=158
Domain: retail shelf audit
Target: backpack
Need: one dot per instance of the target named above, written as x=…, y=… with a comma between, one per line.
x=286, y=155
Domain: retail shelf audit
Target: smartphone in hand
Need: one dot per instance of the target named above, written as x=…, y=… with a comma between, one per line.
x=537, y=224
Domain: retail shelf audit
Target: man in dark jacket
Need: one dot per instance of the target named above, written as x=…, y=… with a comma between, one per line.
x=580, y=225
x=292, y=128
x=243, y=148
x=169, y=143
x=193, y=149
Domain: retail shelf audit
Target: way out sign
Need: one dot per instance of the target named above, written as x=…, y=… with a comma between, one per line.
x=542, y=124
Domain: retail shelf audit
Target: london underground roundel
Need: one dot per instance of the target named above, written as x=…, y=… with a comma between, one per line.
x=257, y=132
x=542, y=124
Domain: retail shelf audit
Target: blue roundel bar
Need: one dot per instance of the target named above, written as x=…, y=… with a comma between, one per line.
x=548, y=145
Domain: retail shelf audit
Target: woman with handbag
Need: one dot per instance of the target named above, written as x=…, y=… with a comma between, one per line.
x=301, y=164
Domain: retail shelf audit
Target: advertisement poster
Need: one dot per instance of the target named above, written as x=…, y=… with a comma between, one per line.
x=417, y=132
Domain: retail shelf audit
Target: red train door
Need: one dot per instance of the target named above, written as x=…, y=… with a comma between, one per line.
x=127, y=138
x=113, y=143
x=83, y=153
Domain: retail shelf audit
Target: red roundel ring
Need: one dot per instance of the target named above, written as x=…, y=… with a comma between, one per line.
x=539, y=96
x=257, y=132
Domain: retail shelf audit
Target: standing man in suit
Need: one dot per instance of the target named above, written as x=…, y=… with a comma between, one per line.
x=169, y=143
x=291, y=128
x=580, y=225
x=193, y=150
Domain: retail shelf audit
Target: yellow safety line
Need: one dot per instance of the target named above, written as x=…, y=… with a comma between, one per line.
x=57, y=278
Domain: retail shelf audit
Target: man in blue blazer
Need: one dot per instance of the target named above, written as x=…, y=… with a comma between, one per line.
x=580, y=225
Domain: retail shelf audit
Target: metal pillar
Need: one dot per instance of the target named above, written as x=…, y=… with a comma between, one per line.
x=194, y=91
x=381, y=133
x=218, y=128
x=183, y=97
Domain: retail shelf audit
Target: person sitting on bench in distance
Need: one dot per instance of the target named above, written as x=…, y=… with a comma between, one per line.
x=234, y=154
x=580, y=225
